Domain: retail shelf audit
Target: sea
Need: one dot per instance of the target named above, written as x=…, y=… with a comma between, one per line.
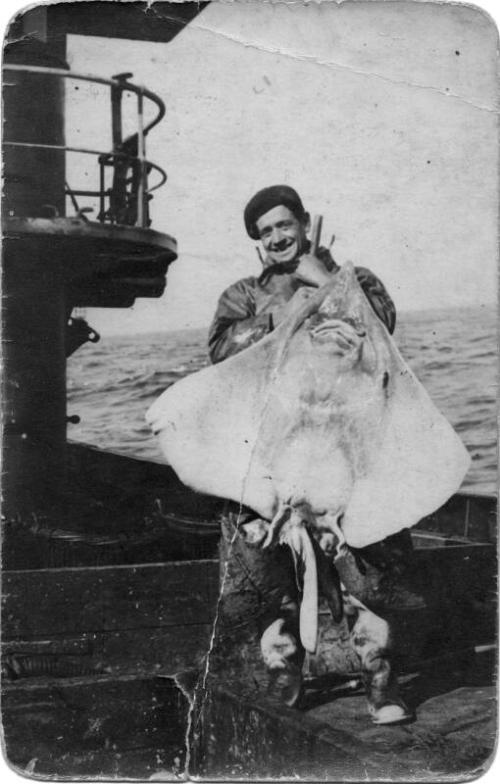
x=453, y=353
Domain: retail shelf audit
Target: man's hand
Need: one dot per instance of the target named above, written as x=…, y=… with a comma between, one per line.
x=312, y=271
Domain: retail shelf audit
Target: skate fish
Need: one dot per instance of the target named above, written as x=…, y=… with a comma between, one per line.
x=320, y=427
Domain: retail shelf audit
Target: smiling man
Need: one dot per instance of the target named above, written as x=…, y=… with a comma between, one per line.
x=253, y=307
x=257, y=636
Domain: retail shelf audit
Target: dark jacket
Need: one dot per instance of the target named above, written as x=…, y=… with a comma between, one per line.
x=245, y=310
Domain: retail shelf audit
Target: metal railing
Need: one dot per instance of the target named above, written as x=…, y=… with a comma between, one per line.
x=126, y=200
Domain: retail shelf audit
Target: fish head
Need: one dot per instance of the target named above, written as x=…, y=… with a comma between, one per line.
x=343, y=318
x=336, y=333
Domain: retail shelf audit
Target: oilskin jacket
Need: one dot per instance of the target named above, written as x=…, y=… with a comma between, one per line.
x=245, y=310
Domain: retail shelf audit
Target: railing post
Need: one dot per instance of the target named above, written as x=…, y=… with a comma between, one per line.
x=102, y=187
x=138, y=213
x=141, y=154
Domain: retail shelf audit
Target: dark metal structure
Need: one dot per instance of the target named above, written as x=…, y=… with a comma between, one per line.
x=56, y=254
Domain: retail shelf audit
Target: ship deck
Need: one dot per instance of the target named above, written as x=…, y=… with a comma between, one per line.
x=98, y=670
x=453, y=733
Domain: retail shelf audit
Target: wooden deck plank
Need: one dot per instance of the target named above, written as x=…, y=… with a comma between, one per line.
x=92, y=599
x=47, y=602
x=95, y=727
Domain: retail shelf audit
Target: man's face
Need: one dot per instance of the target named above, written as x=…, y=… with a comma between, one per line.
x=282, y=234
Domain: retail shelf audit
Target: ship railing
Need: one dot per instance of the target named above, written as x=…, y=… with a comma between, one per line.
x=126, y=200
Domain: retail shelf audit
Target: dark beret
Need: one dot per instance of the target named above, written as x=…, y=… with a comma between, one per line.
x=265, y=200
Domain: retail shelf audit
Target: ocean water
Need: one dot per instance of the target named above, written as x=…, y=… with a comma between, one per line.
x=453, y=353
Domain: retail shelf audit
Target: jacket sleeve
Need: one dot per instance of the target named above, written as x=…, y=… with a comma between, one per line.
x=378, y=297
x=235, y=325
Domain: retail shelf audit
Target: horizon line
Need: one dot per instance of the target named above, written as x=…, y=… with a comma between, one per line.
x=401, y=314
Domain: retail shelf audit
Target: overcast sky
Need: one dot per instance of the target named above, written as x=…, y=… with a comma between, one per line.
x=383, y=115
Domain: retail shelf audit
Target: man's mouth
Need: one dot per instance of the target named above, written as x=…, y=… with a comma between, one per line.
x=283, y=251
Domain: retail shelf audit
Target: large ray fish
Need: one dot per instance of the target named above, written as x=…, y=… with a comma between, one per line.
x=320, y=426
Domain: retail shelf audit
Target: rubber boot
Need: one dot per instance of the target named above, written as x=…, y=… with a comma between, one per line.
x=283, y=654
x=256, y=637
x=371, y=640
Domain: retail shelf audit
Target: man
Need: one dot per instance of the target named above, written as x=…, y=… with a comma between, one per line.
x=253, y=307
x=259, y=595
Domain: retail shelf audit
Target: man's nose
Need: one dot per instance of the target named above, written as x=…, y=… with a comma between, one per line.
x=277, y=236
